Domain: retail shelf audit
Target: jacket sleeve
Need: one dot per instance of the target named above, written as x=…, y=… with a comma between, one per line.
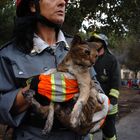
x=8, y=92
x=115, y=79
x=96, y=82
x=115, y=84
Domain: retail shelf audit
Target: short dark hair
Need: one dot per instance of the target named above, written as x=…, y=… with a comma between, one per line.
x=24, y=32
x=23, y=8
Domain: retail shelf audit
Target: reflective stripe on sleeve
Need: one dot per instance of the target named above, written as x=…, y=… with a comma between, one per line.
x=91, y=136
x=113, y=138
x=63, y=87
x=114, y=93
x=53, y=87
x=114, y=110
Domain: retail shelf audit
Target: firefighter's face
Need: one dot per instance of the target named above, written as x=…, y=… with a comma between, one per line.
x=53, y=10
x=99, y=48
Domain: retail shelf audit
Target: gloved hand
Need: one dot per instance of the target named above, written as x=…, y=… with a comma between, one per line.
x=113, y=109
x=99, y=117
x=57, y=87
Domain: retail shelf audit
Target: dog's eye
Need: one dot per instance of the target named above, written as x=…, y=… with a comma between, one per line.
x=87, y=51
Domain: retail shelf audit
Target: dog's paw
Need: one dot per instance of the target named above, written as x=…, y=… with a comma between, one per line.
x=49, y=121
x=28, y=95
x=75, y=114
x=47, y=128
x=74, y=119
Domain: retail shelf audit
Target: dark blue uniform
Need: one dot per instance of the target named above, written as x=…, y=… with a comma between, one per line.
x=108, y=74
x=15, y=68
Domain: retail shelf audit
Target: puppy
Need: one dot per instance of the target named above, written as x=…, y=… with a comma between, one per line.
x=81, y=56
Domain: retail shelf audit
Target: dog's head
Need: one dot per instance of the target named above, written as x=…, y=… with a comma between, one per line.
x=83, y=53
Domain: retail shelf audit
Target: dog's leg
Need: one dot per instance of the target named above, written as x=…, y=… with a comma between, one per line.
x=84, y=86
x=37, y=107
x=49, y=121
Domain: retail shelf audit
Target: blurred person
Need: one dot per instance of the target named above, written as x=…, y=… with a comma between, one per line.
x=129, y=83
x=108, y=75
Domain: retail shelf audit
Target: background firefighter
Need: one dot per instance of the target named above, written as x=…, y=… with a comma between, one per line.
x=108, y=74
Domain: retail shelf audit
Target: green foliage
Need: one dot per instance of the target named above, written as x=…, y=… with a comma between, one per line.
x=7, y=11
x=133, y=59
x=130, y=13
x=127, y=52
x=118, y=16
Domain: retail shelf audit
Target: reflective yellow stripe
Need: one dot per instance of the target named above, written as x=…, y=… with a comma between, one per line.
x=113, y=138
x=91, y=136
x=95, y=35
x=53, y=87
x=114, y=93
x=28, y=82
x=63, y=87
x=114, y=110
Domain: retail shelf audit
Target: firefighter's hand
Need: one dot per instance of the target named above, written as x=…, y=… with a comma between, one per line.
x=113, y=109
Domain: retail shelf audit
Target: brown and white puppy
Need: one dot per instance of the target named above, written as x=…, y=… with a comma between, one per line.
x=81, y=56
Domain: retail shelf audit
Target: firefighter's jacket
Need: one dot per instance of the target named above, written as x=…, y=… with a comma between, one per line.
x=15, y=68
x=108, y=74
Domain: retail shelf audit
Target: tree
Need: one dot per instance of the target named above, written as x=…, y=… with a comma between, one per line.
x=7, y=10
x=77, y=11
x=118, y=16
x=130, y=13
x=133, y=57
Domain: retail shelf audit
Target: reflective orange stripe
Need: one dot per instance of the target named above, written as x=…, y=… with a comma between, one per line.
x=46, y=87
x=71, y=87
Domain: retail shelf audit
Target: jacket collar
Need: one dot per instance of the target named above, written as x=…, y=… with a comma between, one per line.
x=40, y=45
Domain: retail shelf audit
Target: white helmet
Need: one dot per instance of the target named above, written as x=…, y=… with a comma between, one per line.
x=99, y=37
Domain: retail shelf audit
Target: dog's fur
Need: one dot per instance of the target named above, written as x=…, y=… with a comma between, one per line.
x=80, y=58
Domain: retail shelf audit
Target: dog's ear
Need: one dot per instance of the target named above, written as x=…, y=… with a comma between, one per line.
x=76, y=40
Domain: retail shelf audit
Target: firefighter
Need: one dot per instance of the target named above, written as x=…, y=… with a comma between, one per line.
x=108, y=74
x=38, y=46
